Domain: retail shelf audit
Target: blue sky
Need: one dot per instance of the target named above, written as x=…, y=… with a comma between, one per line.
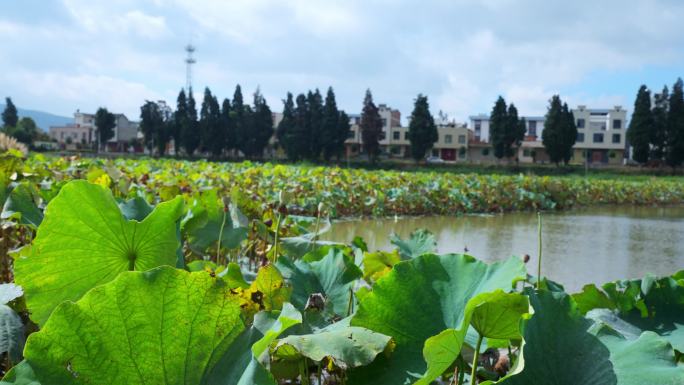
x=58, y=56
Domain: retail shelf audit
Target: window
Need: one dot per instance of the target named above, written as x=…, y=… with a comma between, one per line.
x=485, y=151
x=351, y=134
x=61, y=135
x=406, y=137
x=461, y=139
x=617, y=124
x=462, y=153
x=383, y=135
x=83, y=136
x=435, y=153
x=396, y=135
x=616, y=138
x=598, y=138
x=532, y=128
x=447, y=139
x=580, y=123
x=526, y=153
x=478, y=125
x=580, y=137
x=384, y=122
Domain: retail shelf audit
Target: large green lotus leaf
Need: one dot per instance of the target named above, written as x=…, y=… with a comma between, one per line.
x=420, y=242
x=333, y=276
x=11, y=333
x=347, y=347
x=493, y=315
x=85, y=241
x=163, y=326
x=20, y=374
x=135, y=209
x=648, y=304
x=203, y=227
x=497, y=314
x=379, y=263
x=21, y=206
x=420, y=298
x=562, y=347
x=245, y=363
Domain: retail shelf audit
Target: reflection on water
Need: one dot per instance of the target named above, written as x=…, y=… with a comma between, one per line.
x=592, y=245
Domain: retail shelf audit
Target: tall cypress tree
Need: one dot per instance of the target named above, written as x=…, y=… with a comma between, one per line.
x=569, y=133
x=287, y=130
x=515, y=130
x=180, y=120
x=152, y=125
x=342, y=132
x=238, y=116
x=641, y=127
x=9, y=115
x=659, y=131
x=300, y=138
x=422, y=131
x=329, y=136
x=190, y=135
x=498, y=128
x=315, y=116
x=560, y=131
x=371, y=127
x=675, y=126
x=226, y=123
x=105, y=122
x=260, y=121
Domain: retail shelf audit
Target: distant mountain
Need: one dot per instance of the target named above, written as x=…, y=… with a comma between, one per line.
x=43, y=119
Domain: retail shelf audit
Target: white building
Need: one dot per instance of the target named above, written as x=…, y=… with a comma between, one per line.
x=600, y=138
x=84, y=132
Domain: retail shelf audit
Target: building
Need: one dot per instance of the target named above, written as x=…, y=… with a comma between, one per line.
x=83, y=132
x=600, y=138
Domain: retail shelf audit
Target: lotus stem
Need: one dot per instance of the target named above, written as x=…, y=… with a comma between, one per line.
x=350, y=307
x=275, y=241
x=473, y=373
x=312, y=243
x=461, y=370
x=220, y=237
x=539, y=248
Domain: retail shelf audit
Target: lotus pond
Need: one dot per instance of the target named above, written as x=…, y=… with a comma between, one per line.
x=170, y=272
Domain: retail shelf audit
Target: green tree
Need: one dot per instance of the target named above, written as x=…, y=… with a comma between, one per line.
x=212, y=133
x=659, y=131
x=342, y=132
x=330, y=125
x=25, y=131
x=422, y=131
x=190, y=135
x=371, y=127
x=498, y=126
x=105, y=122
x=287, y=128
x=152, y=125
x=227, y=125
x=9, y=116
x=301, y=135
x=515, y=130
x=238, y=117
x=260, y=121
x=180, y=120
x=640, y=130
x=674, y=155
x=560, y=131
x=315, y=116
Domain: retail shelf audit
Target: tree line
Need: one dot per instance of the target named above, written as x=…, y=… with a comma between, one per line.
x=23, y=130
x=218, y=130
x=656, y=131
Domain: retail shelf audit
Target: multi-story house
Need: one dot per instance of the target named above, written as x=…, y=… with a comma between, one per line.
x=600, y=137
x=84, y=132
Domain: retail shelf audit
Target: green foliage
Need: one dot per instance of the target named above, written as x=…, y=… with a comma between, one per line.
x=560, y=131
x=210, y=219
x=370, y=127
x=505, y=129
x=420, y=242
x=658, y=138
x=155, y=127
x=85, y=241
x=640, y=131
x=329, y=134
x=422, y=130
x=9, y=115
x=260, y=122
x=674, y=155
x=189, y=130
x=105, y=122
x=420, y=298
x=164, y=326
x=213, y=135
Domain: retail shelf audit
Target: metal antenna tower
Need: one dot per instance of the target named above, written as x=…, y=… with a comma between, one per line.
x=189, y=61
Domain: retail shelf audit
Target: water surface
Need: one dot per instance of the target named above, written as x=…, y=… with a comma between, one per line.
x=593, y=245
